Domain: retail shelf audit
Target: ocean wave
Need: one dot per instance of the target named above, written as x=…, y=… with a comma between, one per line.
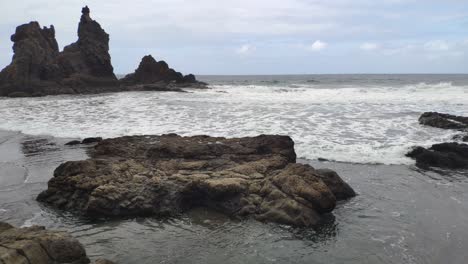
x=348, y=124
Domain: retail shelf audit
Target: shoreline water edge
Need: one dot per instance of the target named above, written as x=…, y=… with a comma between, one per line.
x=390, y=213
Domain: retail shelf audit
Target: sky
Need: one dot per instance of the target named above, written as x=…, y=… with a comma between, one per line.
x=263, y=36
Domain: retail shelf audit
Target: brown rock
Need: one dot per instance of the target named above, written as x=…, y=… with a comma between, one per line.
x=169, y=174
x=37, y=245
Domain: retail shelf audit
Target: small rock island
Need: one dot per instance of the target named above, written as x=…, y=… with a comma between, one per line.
x=167, y=175
x=38, y=68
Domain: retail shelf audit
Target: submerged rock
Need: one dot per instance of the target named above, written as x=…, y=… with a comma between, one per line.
x=36, y=245
x=444, y=155
x=445, y=121
x=168, y=175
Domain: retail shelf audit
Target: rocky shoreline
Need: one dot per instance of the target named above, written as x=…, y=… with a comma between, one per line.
x=167, y=175
x=452, y=155
x=38, y=68
x=36, y=245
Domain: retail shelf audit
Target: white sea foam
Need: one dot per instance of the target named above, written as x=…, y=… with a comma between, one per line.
x=350, y=124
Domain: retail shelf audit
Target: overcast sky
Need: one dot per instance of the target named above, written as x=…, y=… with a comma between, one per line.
x=264, y=36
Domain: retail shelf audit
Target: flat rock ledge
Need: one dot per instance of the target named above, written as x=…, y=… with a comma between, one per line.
x=167, y=175
x=36, y=245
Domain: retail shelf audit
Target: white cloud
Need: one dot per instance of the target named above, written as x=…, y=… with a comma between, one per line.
x=245, y=49
x=368, y=46
x=318, y=45
x=437, y=45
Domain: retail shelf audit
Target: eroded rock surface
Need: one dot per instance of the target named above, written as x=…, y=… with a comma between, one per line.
x=38, y=68
x=35, y=245
x=167, y=175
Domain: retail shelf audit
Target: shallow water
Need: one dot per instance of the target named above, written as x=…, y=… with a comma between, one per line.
x=401, y=215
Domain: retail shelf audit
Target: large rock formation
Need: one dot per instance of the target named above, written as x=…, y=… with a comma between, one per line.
x=167, y=175
x=35, y=245
x=156, y=75
x=38, y=68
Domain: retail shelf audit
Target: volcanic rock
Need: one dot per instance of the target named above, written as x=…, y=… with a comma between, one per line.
x=445, y=155
x=38, y=68
x=445, y=121
x=160, y=75
x=167, y=175
x=35, y=245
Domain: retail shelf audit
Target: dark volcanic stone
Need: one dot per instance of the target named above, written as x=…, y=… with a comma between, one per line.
x=444, y=121
x=38, y=68
x=35, y=245
x=73, y=142
x=444, y=155
x=151, y=71
x=167, y=175
x=91, y=140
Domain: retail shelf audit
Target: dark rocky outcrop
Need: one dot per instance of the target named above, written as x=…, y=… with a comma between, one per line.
x=156, y=75
x=168, y=175
x=89, y=140
x=450, y=155
x=445, y=121
x=38, y=68
x=445, y=155
x=35, y=245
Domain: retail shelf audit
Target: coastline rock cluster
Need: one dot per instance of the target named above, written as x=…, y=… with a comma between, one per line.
x=36, y=245
x=38, y=67
x=451, y=155
x=167, y=175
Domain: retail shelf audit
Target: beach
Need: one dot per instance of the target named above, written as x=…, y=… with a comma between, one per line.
x=402, y=214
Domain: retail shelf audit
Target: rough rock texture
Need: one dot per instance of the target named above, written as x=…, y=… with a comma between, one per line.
x=444, y=121
x=444, y=155
x=34, y=47
x=152, y=74
x=38, y=68
x=167, y=175
x=35, y=245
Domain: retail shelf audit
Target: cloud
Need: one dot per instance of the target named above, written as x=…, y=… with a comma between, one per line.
x=245, y=49
x=318, y=45
x=369, y=46
x=437, y=45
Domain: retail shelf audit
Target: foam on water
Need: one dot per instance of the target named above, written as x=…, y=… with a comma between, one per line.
x=348, y=123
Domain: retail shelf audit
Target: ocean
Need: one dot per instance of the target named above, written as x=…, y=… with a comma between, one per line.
x=359, y=125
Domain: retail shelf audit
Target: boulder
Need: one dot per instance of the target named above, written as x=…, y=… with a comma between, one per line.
x=444, y=121
x=167, y=175
x=444, y=155
x=39, y=246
